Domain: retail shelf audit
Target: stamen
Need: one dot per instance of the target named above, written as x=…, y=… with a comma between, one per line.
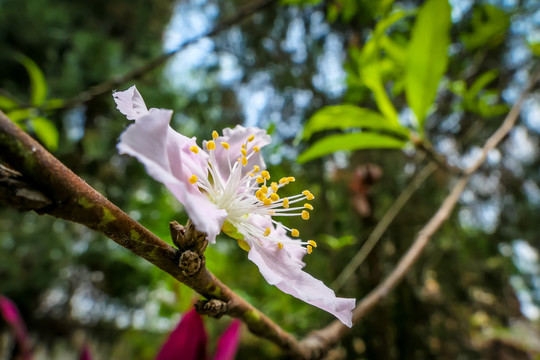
x=251, y=137
x=265, y=174
x=274, y=186
x=291, y=179
x=295, y=233
x=283, y=180
x=244, y=161
x=266, y=232
x=256, y=168
x=275, y=197
x=264, y=189
x=194, y=149
x=308, y=194
x=280, y=245
x=193, y=179
x=260, y=179
x=256, y=149
x=312, y=243
x=210, y=145
x=267, y=201
x=244, y=152
x=308, y=206
x=215, y=134
x=309, y=249
x=225, y=145
x=286, y=203
x=305, y=214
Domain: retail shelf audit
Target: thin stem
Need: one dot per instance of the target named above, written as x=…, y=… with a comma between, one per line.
x=382, y=225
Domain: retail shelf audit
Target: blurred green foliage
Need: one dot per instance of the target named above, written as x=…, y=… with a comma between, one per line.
x=396, y=57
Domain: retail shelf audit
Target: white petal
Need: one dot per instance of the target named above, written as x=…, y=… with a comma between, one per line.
x=130, y=103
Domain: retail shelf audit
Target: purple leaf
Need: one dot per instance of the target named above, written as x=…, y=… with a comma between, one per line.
x=228, y=342
x=11, y=315
x=186, y=342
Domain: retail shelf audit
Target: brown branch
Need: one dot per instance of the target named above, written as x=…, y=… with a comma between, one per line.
x=108, y=86
x=382, y=225
x=70, y=198
x=331, y=334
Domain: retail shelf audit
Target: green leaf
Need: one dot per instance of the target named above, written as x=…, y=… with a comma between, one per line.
x=489, y=25
x=46, y=132
x=337, y=243
x=355, y=141
x=372, y=77
x=348, y=116
x=7, y=104
x=38, y=84
x=480, y=83
x=21, y=114
x=53, y=104
x=427, y=57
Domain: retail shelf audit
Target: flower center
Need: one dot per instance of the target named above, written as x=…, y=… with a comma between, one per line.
x=243, y=191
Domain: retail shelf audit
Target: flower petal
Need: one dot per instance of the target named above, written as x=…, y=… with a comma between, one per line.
x=283, y=268
x=228, y=342
x=10, y=313
x=187, y=341
x=236, y=137
x=130, y=103
x=166, y=157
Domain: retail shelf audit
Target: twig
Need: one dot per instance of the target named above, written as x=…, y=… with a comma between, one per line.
x=330, y=335
x=110, y=85
x=382, y=225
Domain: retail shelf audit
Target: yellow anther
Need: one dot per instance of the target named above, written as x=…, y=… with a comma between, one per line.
x=260, y=179
x=309, y=249
x=267, y=201
x=244, y=160
x=265, y=174
x=251, y=174
x=305, y=215
x=280, y=245
x=264, y=189
x=274, y=186
x=251, y=137
x=274, y=197
x=259, y=195
x=283, y=180
x=194, y=149
x=214, y=135
x=193, y=179
x=286, y=203
x=210, y=145
x=295, y=233
x=243, y=146
x=244, y=152
x=266, y=232
x=256, y=149
x=308, y=206
x=290, y=179
x=225, y=145
x=309, y=195
x=256, y=168
x=312, y=243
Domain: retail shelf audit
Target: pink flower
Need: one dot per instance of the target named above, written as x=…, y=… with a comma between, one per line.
x=10, y=313
x=224, y=186
x=189, y=341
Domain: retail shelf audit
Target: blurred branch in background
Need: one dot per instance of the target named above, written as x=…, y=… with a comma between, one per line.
x=112, y=84
x=335, y=331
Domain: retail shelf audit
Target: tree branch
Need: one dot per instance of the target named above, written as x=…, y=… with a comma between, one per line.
x=331, y=334
x=66, y=196
x=110, y=85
